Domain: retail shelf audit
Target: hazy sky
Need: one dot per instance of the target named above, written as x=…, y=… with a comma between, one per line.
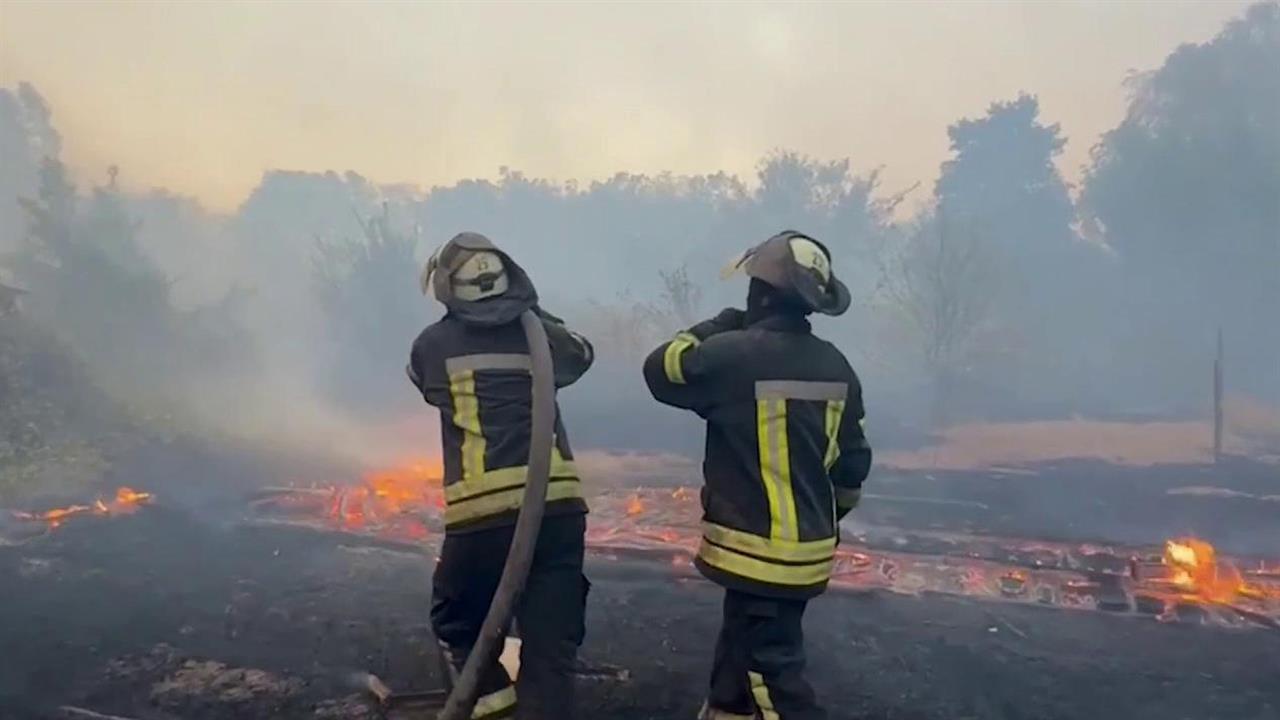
x=201, y=97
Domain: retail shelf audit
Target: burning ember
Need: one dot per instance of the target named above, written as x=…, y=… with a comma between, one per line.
x=1013, y=583
x=635, y=506
x=395, y=500
x=400, y=503
x=404, y=505
x=1196, y=570
x=125, y=501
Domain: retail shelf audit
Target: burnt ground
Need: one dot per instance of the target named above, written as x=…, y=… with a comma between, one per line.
x=125, y=616
x=1088, y=500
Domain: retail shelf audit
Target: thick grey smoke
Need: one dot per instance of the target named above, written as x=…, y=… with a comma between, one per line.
x=1006, y=295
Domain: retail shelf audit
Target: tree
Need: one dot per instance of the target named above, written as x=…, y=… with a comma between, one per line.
x=1002, y=180
x=51, y=214
x=681, y=295
x=27, y=137
x=824, y=199
x=621, y=241
x=88, y=280
x=1002, y=176
x=942, y=281
x=368, y=292
x=1185, y=190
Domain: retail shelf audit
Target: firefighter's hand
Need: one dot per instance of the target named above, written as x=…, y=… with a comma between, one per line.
x=728, y=319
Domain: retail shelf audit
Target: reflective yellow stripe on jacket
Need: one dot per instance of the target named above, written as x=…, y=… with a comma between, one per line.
x=498, y=491
x=505, y=500
x=767, y=560
x=778, y=556
x=466, y=416
x=775, y=467
x=505, y=479
x=772, y=437
x=672, y=359
x=482, y=492
x=466, y=404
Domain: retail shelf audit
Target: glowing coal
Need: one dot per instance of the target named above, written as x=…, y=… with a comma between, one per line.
x=404, y=505
x=125, y=501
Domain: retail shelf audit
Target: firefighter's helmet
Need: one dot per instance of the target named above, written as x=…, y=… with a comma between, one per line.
x=798, y=264
x=482, y=275
x=465, y=270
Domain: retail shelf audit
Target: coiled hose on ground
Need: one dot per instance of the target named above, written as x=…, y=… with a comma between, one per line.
x=462, y=698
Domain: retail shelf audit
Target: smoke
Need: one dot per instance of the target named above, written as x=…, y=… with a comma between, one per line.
x=1004, y=296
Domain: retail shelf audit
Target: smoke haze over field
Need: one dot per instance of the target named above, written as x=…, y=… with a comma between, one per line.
x=202, y=98
x=266, y=293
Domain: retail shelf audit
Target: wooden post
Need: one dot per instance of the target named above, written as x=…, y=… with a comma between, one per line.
x=1217, y=402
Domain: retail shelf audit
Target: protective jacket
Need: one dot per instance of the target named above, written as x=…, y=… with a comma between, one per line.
x=785, y=451
x=474, y=366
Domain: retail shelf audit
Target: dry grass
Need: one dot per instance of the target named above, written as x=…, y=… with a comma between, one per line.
x=1252, y=429
x=610, y=470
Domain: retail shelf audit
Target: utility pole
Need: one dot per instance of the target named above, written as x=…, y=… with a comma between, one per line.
x=1217, y=402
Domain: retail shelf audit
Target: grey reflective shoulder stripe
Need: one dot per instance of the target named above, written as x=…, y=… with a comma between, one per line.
x=487, y=361
x=801, y=390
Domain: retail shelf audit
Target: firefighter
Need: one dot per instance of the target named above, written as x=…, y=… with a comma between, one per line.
x=474, y=366
x=785, y=460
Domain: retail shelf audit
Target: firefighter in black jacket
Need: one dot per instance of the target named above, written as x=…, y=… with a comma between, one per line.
x=785, y=460
x=474, y=366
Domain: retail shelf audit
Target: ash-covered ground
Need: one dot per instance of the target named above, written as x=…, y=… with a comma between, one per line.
x=164, y=615
x=1234, y=504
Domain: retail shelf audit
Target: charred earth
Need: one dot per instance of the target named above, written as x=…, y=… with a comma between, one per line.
x=167, y=613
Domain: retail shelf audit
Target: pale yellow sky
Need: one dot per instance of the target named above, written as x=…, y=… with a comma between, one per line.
x=202, y=96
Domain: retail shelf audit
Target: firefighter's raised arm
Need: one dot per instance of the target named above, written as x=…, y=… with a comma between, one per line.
x=571, y=353
x=674, y=371
x=854, y=462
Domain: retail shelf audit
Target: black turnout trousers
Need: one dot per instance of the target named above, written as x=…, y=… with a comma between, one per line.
x=549, y=615
x=759, y=661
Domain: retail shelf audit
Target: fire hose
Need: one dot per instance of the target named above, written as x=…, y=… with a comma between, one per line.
x=462, y=698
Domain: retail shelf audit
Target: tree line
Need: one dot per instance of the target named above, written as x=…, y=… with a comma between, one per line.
x=999, y=292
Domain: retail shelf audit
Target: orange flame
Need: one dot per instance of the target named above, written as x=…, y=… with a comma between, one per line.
x=415, y=483
x=635, y=506
x=390, y=500
x=126, y=501
x=56, y=516
x=1196, y=569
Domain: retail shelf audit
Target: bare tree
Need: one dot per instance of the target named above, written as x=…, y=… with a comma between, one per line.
x=942, y=279
x=626, y=328
x=681, y=297
x=367, y=288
